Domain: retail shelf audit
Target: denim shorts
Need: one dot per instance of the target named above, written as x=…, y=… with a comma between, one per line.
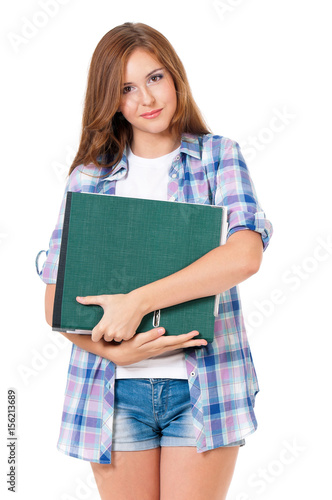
x=151, y=413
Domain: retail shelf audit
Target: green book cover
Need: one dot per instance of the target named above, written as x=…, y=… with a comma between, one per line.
x=113, y=244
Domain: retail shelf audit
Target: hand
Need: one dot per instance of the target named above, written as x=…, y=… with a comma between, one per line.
x=123, y=314
x=151, y=343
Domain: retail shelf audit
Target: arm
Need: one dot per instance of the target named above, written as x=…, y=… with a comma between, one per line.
x=141, y=346
x=215, y=272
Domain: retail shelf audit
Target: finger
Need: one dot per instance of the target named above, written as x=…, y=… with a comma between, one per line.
x=97, y=333
x=149, y=336
x=117, y=336
x=169, y=342
x=179, y=339
x=183, y=341
x=191, y=343
x=95, y=337
x=110, y=337
x=126, y=336
x=90, y=299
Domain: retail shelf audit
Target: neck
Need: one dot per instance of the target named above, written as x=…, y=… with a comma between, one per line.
x=154, y=145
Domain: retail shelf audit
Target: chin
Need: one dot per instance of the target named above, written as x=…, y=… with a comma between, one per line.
x=152, y=129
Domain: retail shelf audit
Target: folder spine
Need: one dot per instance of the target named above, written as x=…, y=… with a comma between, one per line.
x=56, y=321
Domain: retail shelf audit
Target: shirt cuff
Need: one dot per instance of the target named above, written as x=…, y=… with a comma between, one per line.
x=255, y=221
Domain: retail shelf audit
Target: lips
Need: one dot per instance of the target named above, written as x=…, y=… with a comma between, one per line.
x=152, y=114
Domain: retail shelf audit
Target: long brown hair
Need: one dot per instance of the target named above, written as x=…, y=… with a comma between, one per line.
x=105, y=131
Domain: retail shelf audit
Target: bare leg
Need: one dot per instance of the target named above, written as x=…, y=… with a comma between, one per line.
x=186, y=474
x=132, y=475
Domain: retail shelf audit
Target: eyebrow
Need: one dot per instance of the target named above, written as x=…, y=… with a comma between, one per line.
x=147, y=76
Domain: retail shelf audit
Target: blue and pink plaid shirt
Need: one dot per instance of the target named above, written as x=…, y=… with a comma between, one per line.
x=210, y=169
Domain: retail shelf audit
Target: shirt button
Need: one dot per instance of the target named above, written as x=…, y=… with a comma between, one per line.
x=177, y=157
x=173, y=175
x=192, y=374
x=172, y=198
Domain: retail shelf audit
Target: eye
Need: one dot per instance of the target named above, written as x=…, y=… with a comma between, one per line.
x=156, y=78
x=126, y=90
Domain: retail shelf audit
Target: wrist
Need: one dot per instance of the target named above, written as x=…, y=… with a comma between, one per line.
x=142, y=299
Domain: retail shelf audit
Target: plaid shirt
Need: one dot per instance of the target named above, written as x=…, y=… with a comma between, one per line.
x=222, y=378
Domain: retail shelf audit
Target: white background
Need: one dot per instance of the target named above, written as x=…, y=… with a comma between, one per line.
x=248, y=62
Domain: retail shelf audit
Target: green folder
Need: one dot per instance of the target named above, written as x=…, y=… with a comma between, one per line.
x=114, y=244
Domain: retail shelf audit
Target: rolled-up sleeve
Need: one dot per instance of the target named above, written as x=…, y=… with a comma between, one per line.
x=236, y=191
x=49, y=269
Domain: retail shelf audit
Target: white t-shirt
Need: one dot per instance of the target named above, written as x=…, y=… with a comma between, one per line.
x=148, y=178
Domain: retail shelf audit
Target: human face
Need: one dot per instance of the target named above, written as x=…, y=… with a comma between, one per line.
x=148, y=99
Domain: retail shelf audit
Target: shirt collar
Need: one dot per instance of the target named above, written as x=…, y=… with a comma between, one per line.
x=190, y=145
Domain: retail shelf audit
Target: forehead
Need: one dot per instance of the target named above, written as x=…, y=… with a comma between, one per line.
x=140, y=63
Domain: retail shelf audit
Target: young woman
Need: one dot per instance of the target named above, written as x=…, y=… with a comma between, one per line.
x=160, y=417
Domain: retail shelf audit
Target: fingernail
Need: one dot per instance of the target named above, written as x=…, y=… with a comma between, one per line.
x=160, y=330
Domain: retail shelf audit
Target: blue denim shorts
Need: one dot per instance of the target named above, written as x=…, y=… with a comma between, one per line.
x=151, y=413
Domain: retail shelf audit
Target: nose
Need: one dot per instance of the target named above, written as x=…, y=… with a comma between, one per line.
x=147, y=97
